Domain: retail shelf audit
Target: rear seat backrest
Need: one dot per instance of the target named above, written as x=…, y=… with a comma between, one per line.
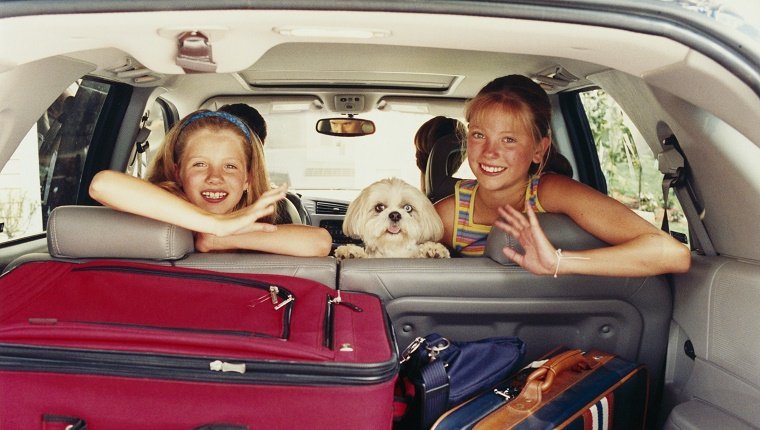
x=84, y=233
x=471, y=298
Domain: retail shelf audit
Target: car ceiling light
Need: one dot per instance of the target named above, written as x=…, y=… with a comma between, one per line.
x=409, y=108
x=345, y=33
x=291, y=107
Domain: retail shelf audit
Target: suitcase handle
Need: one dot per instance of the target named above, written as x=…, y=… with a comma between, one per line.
x=556, y=365
x=541, y=380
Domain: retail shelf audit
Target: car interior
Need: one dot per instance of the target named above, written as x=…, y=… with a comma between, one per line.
x=91, y=86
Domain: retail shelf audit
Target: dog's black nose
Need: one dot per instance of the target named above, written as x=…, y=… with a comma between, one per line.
x=394, y=216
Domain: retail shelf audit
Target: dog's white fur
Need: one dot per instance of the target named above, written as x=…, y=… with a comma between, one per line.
x=393, y=219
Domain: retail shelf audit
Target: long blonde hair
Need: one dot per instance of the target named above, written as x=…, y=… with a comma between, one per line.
x=164, y=168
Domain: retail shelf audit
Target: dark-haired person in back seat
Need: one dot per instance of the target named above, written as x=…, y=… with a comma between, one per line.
x=429, y=133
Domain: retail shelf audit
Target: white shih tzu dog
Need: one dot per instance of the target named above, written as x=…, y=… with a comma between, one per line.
x=393, y=219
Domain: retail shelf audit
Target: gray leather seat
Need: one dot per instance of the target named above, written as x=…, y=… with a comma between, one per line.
x=697, y=414
x=471, y=298
x=83, y=233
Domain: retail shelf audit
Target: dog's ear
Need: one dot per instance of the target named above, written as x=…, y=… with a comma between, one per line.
x=431, y=226
x=356, y=215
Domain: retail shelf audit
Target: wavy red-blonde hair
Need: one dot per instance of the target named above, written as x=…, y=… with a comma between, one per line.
x=165, y=165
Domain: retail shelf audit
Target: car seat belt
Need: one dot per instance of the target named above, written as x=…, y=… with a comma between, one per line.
x=139, y=160
x=675, y=170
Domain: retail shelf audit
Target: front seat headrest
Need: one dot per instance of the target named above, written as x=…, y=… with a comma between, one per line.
x=445, y=158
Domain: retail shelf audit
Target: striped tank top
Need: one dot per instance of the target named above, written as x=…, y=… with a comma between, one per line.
x=469, y=239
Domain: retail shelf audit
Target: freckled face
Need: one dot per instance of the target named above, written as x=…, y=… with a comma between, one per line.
x=213, y=170
x=500, y=150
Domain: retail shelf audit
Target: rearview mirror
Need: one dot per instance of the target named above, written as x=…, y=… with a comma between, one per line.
x=345, y=127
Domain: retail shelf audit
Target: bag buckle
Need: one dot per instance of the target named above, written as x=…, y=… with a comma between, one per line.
x=414, y=346
x=434, y=350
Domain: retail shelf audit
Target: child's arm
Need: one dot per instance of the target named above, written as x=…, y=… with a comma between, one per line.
x=638, y=248
x=129, y=194
x=445, y=209
x=289, y=239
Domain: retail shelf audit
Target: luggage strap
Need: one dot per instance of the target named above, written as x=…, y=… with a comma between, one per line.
x=436, y=395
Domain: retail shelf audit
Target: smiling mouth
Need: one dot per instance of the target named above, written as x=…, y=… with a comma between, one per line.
x=214, y=195
x=492, y=169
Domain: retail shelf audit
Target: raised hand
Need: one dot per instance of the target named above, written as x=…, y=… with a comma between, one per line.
x=246, y=220
x=540, y=256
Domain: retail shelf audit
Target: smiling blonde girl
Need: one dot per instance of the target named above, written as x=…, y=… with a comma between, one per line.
x=508, y=148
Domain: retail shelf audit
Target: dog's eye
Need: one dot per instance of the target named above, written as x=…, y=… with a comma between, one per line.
x=379, y=207
x=408, y=208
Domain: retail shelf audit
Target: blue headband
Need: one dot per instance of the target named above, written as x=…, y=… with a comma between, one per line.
x=216, y=114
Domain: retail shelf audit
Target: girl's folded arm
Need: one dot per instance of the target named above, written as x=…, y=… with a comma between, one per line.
x=129, y=194
x=288, y=239
x=638, y=247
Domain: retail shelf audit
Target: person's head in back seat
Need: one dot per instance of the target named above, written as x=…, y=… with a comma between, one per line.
x=253, y=119
x=250, y=116
x=509, y=147
x=210, y=177
x=429, y=133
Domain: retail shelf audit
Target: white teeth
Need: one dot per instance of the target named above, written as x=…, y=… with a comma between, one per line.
x=214, y=195
x=492, y=169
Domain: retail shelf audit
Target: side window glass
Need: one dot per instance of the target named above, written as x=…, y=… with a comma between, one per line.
x=46, y=169
x=628, y=164
x=149, y=140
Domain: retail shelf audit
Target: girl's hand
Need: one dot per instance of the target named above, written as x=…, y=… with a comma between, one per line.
x=540, y=256
x=204, y=242
x=245, y=220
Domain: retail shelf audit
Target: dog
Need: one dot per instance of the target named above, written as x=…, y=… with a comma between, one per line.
x=393, y=219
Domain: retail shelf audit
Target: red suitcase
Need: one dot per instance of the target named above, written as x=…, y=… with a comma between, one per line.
x=129, y=345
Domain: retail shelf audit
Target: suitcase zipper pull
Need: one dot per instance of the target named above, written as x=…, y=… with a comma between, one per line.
x=339, y=301
x=273, y=291
x=223, y=366
x=284, y=302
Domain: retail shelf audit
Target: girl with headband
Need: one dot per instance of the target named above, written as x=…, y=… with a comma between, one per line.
x=210, y=177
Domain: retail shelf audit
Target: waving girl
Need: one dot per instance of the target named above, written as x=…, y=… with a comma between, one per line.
x=508, y=148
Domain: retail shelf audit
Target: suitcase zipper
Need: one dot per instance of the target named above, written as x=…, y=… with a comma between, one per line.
x=329, y=323
x=195, y=369
x=281, y=297
x=239, y=333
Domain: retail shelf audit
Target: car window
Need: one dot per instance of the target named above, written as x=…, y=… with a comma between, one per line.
x=56, y=147
x=629, y=166
x=318, y=165
x=339, y=167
